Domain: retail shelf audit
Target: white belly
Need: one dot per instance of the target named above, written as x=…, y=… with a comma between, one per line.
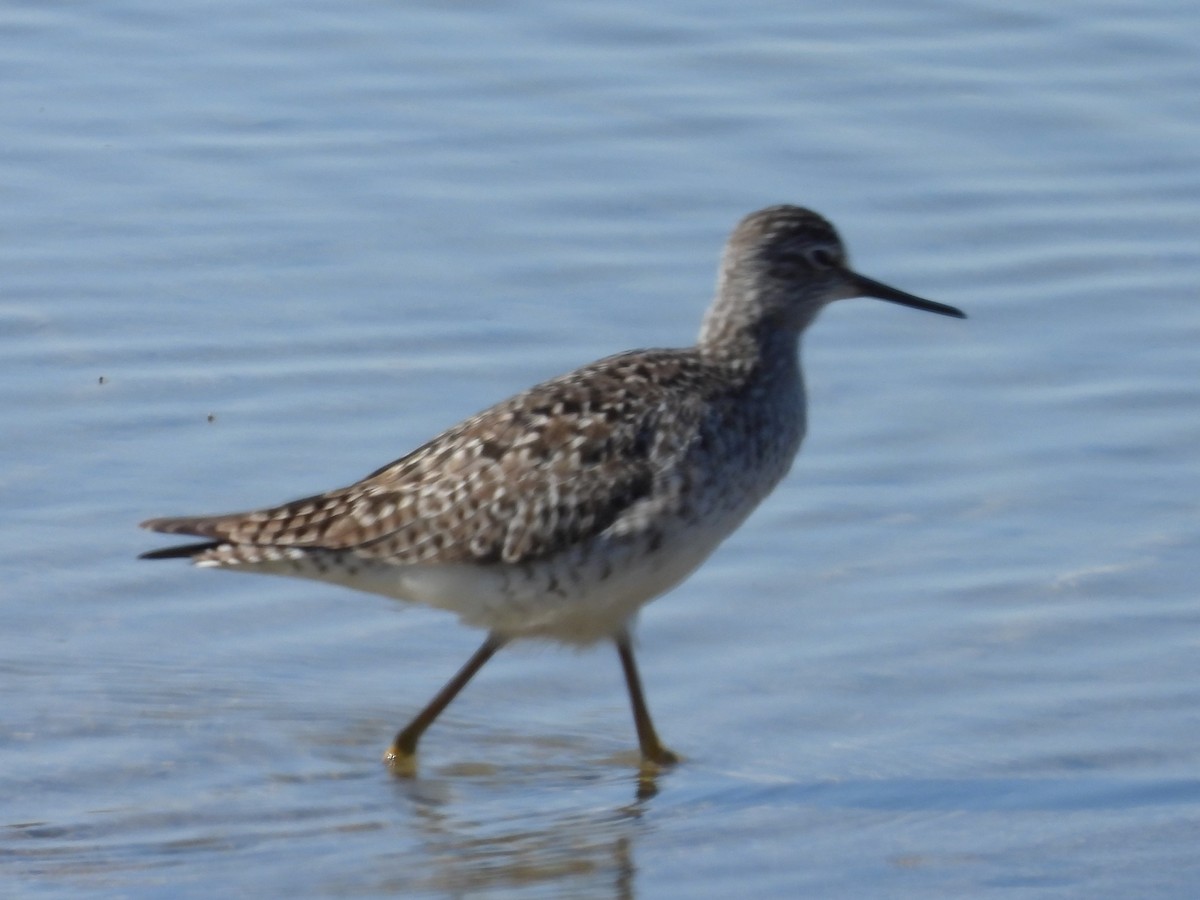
x=578, y=597
x=586, y=594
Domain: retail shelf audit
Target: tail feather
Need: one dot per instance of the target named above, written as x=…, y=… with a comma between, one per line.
x=181, y=551
x=199, y=526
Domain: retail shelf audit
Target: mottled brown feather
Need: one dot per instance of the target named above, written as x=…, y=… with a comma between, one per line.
x=545, y=469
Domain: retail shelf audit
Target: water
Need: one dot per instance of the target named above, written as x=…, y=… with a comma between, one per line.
x=250, y=254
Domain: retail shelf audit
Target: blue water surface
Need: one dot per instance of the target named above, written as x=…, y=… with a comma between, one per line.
x=251, y=252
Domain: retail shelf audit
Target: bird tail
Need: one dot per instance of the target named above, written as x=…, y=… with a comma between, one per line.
x=181, y=551
x=195, y=526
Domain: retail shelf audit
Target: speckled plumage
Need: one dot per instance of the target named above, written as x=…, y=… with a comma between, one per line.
x=561, y=511
x=554, y=466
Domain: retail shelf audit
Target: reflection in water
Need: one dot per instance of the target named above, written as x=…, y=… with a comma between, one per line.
x=576, y=850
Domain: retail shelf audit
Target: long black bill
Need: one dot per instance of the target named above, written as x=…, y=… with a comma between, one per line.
x=877, y=289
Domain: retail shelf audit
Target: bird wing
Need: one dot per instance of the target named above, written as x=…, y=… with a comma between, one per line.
x=548, y=468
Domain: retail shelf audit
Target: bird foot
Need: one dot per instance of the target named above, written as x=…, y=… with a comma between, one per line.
x=401, y=762
x=658, y=758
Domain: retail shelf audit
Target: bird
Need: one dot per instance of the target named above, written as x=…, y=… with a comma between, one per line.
x=560, y=512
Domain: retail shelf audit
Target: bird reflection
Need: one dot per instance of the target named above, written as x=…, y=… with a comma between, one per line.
x=540, y=836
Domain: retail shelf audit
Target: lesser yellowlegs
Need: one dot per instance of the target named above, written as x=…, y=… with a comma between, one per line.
x=560, y=512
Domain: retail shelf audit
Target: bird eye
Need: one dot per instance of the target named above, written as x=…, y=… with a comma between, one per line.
x=822, y=258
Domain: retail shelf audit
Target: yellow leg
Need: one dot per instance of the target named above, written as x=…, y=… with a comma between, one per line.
x=653, y=752
x=402, y=755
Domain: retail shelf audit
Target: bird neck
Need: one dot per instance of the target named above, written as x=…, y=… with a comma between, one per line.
x=731, y=337
x=763, y=383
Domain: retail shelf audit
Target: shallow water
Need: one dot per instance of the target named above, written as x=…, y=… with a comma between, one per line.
x=249, y=256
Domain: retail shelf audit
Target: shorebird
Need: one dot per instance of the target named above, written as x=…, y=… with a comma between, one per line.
x=559, y=512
